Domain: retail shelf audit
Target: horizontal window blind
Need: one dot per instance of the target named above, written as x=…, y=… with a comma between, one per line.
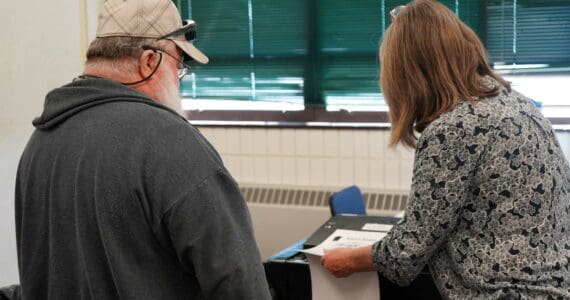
x=535, y=34
x=528, y=41
x=325, y=52
x=348, y=50
x=257, y=58
x=350, y=34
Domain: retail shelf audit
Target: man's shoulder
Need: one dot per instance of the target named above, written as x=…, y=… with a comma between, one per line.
x=150, y=122
x=142, y=109
x=147, y=116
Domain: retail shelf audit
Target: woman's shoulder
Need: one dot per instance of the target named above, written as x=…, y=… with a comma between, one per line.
x=472, y=118
x=486, y=111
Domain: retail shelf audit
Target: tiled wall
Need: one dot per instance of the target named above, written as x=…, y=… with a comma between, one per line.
x=318, y=157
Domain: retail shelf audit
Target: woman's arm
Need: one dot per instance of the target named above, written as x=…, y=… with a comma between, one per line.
x=445, y=162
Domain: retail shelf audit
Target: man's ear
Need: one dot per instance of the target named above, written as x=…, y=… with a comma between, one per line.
x=148, y=62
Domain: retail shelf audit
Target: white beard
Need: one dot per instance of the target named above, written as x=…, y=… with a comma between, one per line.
x=168, y=93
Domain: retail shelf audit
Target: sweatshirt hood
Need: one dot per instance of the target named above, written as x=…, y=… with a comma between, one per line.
x=83, y=93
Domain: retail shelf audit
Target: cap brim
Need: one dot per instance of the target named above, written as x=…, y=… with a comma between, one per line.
x=192, y=51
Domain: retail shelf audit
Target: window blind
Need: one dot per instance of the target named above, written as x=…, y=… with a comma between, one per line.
x=325, y=52
x=529, y=34
x=257, y=58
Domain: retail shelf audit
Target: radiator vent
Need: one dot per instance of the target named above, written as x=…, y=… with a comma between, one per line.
x=311, y=197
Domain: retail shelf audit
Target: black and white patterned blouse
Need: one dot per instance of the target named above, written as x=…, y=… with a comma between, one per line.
x=489, y=206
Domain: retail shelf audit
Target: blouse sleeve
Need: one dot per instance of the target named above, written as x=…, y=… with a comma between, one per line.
x=445, y=161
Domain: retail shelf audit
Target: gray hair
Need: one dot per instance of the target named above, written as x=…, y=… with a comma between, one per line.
x=120, y=52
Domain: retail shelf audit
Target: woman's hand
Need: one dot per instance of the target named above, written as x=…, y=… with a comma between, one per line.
x=342, y=262
x=338, y=261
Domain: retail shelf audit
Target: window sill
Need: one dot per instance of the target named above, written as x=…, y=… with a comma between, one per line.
x=308, y=118
x=311, y=117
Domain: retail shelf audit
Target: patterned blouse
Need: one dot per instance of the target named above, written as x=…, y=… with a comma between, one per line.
x=489, y=206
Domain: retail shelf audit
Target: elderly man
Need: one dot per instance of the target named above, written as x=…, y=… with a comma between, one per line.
x=117, y=196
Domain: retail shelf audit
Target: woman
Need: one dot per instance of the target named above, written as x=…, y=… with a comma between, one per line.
x=490, y=196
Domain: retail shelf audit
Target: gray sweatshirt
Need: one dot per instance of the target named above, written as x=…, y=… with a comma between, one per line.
x=119, y=197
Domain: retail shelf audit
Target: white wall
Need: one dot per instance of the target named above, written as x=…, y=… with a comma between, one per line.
x=313, y=157
x=319, y=157
x=40, y=50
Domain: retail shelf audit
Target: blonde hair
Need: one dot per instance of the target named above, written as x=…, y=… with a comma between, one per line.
x=430, y=61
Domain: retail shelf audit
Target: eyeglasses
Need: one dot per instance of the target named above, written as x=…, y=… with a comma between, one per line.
x=396, y=11
x=182, y=68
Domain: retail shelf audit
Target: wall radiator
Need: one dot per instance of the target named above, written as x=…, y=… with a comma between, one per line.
x=283, y=215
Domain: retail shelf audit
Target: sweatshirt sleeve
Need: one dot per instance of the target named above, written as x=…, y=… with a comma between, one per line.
x=445, y=161
x=212, y=234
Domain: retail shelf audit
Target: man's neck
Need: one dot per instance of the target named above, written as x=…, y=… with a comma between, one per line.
x=101, y=71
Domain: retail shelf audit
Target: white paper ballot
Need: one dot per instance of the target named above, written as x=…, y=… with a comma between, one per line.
x=342, y=238
x=358, y=286
x=377, y=227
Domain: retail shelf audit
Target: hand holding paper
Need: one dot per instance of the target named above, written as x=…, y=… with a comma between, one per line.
x=342, y=262
x=337, y=251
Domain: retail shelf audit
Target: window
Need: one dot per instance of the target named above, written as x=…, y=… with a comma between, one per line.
x=307, y=54
x=529, y=42
x=258, y=51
